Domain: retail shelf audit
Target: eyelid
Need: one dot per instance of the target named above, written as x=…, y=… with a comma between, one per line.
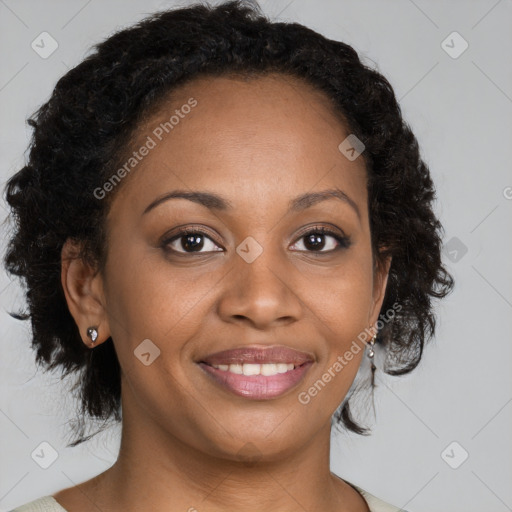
x=327, y=228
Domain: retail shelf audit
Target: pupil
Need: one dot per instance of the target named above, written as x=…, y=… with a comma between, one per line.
x=193, y=242
x=315, y=241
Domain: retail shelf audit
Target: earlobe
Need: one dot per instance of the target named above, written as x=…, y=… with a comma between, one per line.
x=82, y=286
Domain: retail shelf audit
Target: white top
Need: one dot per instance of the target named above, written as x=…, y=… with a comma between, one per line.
x=49, y=504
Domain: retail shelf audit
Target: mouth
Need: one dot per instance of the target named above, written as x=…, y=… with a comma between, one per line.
x=257, y=373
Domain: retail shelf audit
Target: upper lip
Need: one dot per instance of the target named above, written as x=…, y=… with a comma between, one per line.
x=258, y=355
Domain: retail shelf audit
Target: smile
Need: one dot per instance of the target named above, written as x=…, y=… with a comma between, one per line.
x=257, y=381
x=267, y=369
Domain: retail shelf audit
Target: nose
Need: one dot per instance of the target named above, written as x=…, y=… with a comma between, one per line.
x=261, y=293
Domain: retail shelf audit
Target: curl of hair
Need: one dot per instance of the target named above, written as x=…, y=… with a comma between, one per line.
x=80, y=134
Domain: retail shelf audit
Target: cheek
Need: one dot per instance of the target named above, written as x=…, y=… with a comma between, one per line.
x=342, y=309
x=149, y=299
x=343, y=299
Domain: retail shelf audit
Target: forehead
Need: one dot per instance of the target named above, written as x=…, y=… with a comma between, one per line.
x=266, y=132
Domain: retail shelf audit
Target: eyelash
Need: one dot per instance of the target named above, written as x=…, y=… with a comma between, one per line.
x=343, y=241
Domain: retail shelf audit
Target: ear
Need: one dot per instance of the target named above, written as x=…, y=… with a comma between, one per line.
x=380, y=280
x=83, y=289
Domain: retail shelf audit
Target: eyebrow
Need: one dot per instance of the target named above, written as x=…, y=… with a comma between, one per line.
x=215, y=202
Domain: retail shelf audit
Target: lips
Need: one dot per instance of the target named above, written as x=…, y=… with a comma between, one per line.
x=257, y=355
x=218, y=368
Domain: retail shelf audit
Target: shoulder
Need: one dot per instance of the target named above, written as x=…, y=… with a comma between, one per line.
x=375, y=504
x=49, y=504
x=44, y=504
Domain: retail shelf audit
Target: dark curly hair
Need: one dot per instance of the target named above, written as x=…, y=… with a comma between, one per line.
x=80, y=134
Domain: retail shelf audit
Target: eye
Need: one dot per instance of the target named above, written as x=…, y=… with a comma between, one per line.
x=315, y=240
x=318, y=239
x=188, y=241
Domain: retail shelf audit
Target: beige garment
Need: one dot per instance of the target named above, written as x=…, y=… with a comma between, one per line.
x=49, y=504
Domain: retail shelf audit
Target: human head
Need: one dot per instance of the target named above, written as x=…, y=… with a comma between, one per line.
x=82, y=133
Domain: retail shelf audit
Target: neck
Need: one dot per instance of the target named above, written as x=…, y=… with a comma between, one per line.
x=158, y=471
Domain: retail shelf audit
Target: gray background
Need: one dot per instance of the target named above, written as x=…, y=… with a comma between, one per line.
x=460, y=109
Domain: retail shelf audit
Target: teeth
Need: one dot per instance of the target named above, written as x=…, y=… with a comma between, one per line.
x=267, y=369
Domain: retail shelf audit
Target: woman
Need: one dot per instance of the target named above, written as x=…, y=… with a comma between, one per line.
x=222, y=220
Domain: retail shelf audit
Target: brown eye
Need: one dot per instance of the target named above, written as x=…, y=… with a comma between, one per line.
x=191, y=241
x=323, y=240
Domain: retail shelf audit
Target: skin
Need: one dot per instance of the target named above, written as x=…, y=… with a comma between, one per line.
x=186, y=442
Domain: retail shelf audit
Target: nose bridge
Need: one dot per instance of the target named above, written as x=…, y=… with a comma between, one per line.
x=260, y=288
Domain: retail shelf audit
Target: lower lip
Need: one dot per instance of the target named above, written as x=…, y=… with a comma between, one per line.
x=258, y=387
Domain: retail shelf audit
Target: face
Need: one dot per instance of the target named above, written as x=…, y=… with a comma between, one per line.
x=265, y=262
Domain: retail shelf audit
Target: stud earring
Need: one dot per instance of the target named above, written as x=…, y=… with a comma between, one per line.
x=370, y=354
x=92, y=334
